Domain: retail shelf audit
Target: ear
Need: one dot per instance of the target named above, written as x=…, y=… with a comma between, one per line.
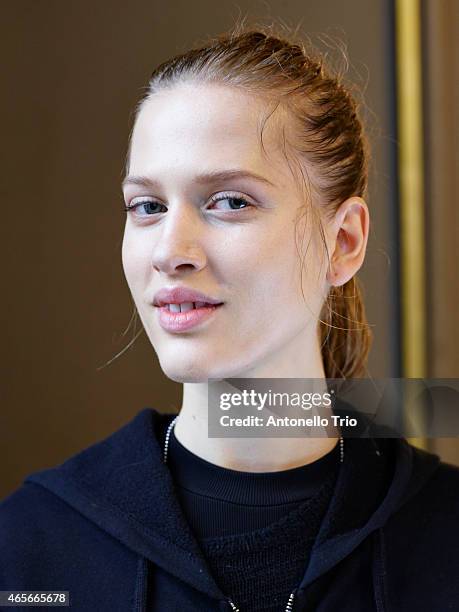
x=349, y=237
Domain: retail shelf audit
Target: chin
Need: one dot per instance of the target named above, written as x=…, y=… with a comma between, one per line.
x=182, y=372
x=195, y=370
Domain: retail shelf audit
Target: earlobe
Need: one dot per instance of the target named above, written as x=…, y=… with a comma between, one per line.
x=333, y=273
x=335, y=278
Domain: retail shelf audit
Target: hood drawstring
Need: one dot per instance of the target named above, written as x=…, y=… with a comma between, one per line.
x=379, y=570
x=140, y=595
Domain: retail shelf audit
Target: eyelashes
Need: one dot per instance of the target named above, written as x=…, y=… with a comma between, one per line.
x=132, y=207
x=231, y=197
x=149, y=203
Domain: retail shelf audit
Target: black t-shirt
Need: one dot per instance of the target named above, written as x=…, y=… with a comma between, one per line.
x=256, y=529
x=218, y=501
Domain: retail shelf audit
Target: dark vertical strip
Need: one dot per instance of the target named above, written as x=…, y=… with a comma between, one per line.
x=394, y=186
x=140, y=595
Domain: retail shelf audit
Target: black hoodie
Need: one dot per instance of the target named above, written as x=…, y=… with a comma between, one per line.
x=106, y=526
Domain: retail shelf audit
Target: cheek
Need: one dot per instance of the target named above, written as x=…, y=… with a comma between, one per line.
x=135, y=260
x=269, y=275
x=266, y=275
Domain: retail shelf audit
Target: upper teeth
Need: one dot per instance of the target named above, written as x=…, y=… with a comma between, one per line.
x=185, y=306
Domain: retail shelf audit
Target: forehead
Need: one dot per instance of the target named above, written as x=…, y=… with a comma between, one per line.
x=208, y=125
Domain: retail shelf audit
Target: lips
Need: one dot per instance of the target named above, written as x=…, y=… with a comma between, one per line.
x=183, y=296
x=178, y=321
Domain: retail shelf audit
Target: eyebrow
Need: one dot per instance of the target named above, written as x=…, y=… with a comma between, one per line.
x=202, y=179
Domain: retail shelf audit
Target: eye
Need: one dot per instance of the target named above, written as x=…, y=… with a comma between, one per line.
x=233, y=199
x=145, y=205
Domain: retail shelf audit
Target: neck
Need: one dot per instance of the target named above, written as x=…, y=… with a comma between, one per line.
x=253, y=454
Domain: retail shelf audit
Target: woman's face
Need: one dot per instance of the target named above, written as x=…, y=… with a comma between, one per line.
x=232, y=238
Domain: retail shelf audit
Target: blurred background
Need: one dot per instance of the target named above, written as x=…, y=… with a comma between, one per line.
x=73, y=72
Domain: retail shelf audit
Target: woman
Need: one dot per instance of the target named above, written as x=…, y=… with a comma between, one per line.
x=246, y=225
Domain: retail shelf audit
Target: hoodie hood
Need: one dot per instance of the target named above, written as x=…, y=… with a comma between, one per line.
x=122, y=485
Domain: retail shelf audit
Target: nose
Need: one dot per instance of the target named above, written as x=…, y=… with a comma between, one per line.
x=178, y=246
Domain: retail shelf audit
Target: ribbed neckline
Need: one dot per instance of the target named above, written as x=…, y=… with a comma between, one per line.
x=252, y=488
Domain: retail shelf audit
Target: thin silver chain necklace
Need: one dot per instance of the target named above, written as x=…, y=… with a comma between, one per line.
x=289, y=606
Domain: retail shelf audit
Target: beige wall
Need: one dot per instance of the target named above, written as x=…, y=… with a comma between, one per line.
x=441, y=54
